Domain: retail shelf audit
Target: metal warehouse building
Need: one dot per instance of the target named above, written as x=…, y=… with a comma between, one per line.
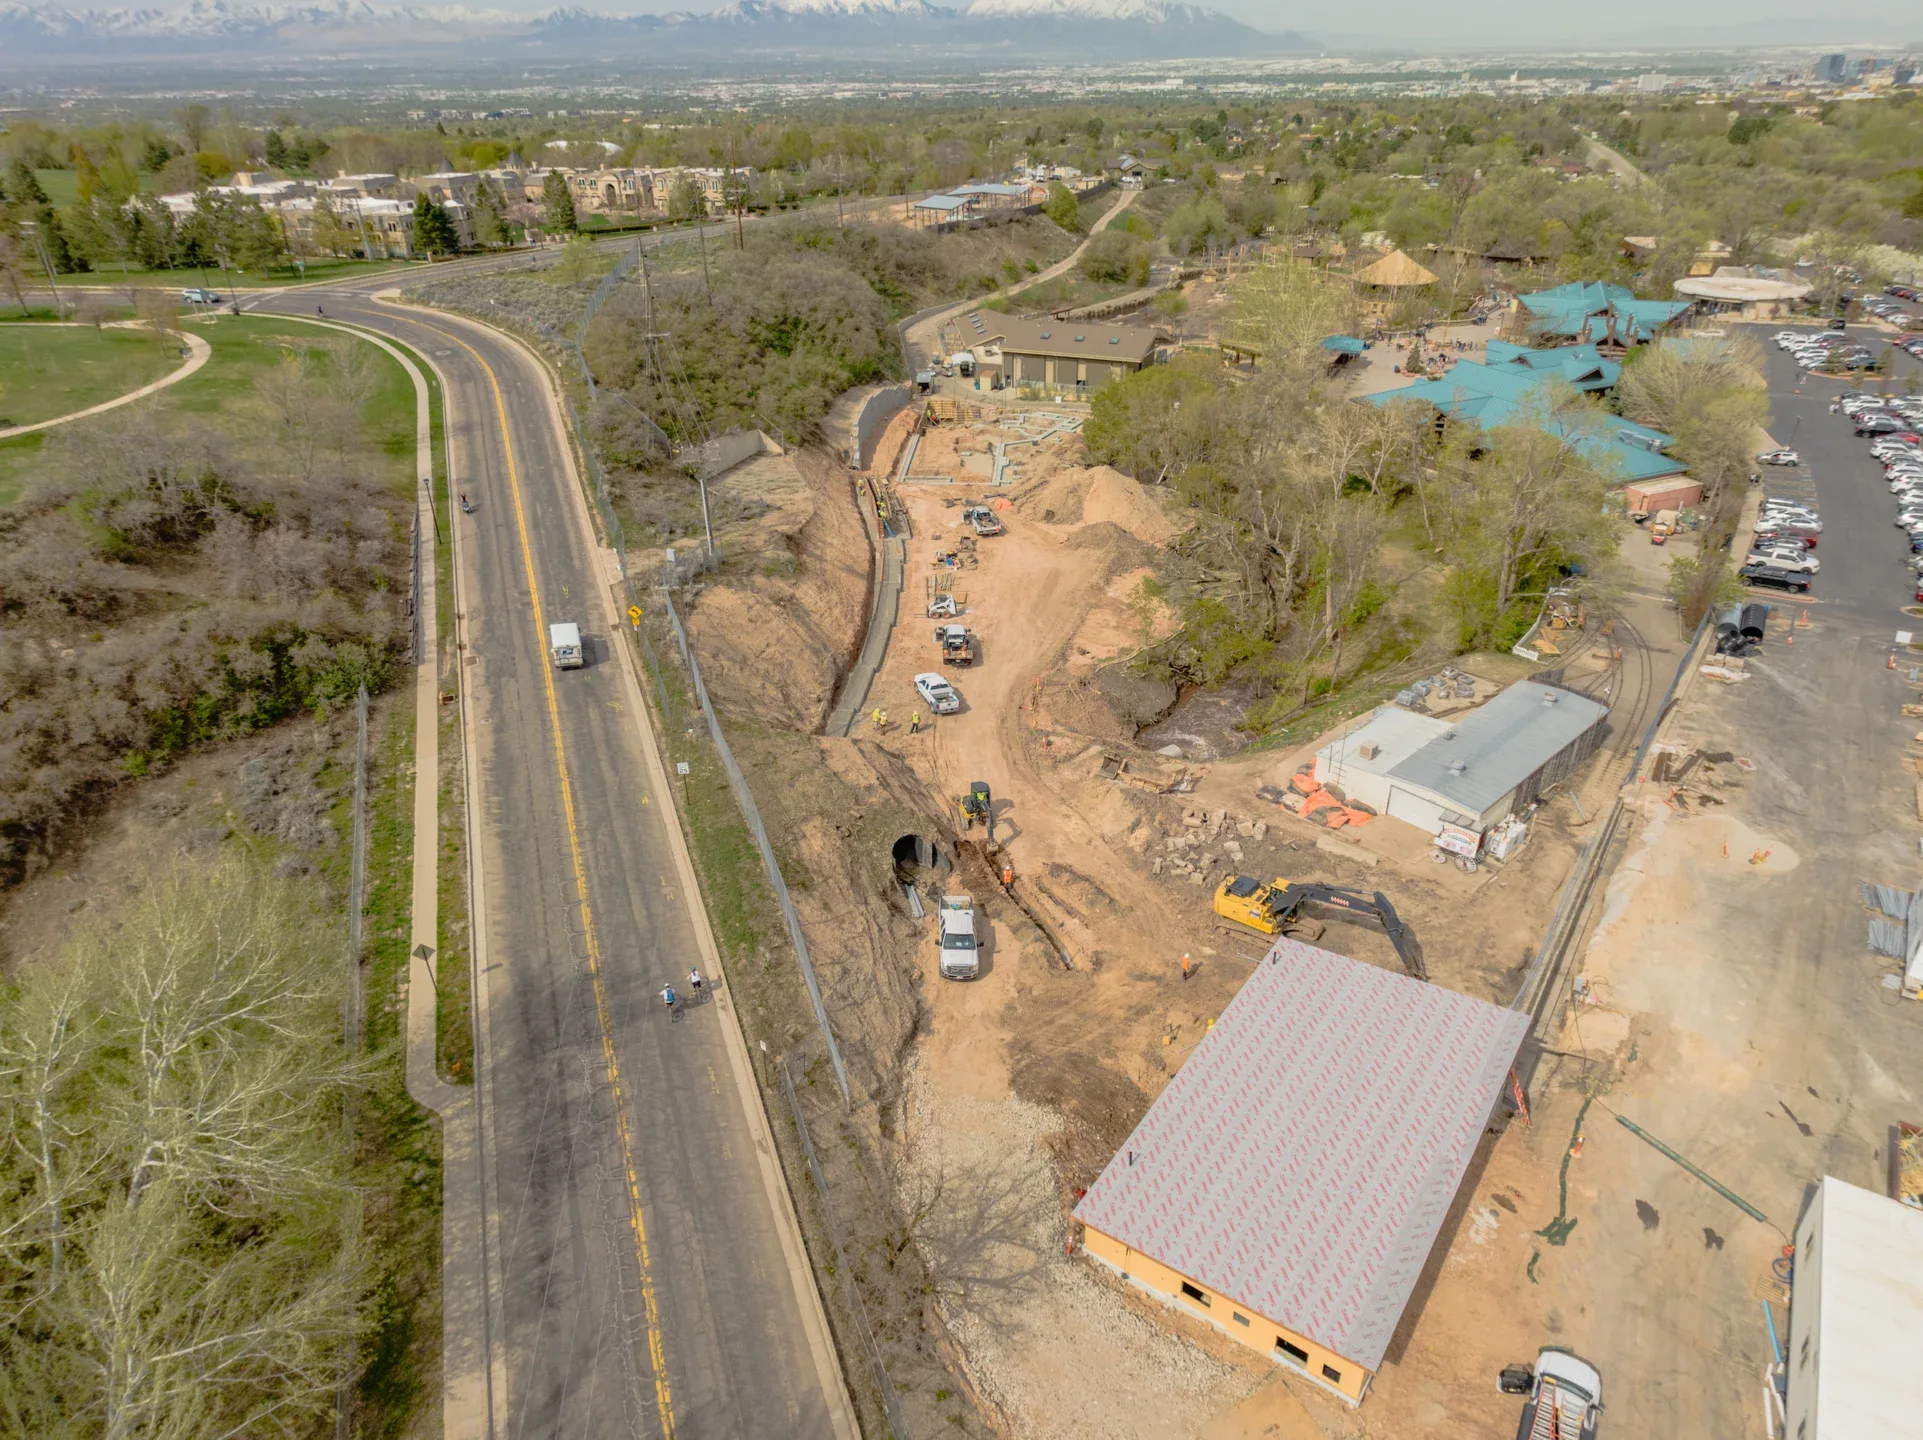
x=1855, y=1314
x=1470, y=770
x=1289, y=1184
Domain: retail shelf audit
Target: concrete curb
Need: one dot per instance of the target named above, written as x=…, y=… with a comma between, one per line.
x=202, y=352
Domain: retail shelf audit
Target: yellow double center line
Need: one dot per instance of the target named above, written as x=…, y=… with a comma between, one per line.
x=657, y=1356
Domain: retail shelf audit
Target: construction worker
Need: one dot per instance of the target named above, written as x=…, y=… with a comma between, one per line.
x=880, y=718
x=1008, y=877
x=914, y=722
x=1188, y=965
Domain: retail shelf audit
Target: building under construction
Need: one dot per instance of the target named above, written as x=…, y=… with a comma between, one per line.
x=1288, y=1185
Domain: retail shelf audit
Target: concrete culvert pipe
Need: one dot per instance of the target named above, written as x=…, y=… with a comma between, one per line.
x=918, y=858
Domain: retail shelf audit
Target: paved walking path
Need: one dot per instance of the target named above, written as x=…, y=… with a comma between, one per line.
x=464, y=1273
x=200, y=353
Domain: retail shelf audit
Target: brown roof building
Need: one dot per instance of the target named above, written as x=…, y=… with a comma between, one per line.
x=1068, y=354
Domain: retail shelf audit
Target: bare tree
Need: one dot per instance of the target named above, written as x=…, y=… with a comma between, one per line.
x=186, y=1261
x=93, y=309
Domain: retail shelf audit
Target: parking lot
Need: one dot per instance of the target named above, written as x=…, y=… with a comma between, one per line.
x=1733, y=1008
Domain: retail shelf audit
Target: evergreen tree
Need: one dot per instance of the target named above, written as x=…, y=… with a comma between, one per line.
x=433, y=230
x=560, y=204
x=23, y=186
x=276, y=150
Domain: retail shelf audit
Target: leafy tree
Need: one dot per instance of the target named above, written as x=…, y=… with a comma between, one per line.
x=686, y=200
x=560, y=204
x=1063, y=208
x=154, y=154
x=1199, y=227
x=1115, y=255
x=489, y=217
x=433, y=230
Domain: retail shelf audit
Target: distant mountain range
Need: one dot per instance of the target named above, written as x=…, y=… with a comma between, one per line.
x=750, y=30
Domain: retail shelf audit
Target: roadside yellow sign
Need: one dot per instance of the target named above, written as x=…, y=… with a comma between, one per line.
x=634, y=616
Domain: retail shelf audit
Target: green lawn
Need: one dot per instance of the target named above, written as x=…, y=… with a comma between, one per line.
x=63, y=186
x=245, y=348
x=49, y=370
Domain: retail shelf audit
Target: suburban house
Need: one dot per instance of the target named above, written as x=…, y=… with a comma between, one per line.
x=1068, y=355
x=1509, y=383
x=620, y=190
x=1289, y=1184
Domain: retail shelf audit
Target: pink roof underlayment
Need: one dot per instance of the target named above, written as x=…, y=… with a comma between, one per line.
x=1304, y=1158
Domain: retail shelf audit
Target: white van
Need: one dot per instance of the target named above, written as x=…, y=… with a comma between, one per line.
x=564, y=645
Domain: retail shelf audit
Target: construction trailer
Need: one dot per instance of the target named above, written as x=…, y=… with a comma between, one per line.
x=1855, y=1312
x=1289, y=1183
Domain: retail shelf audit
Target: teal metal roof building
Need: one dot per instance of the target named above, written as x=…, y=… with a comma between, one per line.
x=1500, y=392
x=1593, y=310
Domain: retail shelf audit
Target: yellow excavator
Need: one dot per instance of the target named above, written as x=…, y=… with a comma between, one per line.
x=1273, y=909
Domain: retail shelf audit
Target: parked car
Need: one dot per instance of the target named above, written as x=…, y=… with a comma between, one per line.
x=1780, y=457
x=1784, y=557
x=940, y=695
x=1775, y=577
x=196, y=296
x=1878, y=425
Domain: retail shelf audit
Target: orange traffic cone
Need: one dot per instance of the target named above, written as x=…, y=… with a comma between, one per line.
x=1802, y=619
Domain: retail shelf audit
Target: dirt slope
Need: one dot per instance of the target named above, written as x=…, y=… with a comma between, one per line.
x=784, y=620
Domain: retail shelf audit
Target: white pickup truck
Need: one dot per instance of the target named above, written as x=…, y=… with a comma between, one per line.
x=960, y=955
x=1565, y=1396
x=564, y=646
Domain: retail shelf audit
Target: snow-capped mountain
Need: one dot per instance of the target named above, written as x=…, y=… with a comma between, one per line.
x=759, y=30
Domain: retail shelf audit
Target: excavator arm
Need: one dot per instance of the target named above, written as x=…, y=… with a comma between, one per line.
x=1374, y=906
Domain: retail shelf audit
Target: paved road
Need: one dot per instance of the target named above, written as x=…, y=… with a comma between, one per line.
x=1616, y=161
x=639, y=1255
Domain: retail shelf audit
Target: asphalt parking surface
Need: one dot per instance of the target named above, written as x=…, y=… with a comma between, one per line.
x=1865, y=559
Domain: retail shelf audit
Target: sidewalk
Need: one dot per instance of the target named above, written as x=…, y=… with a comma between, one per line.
x=466, y=1312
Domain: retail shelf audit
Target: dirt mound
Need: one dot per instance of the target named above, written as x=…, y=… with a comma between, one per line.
x=1056, y=499
x=1113, y=497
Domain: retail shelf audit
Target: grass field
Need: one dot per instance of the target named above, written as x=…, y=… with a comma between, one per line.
x=49, y=370
x=63, y=186
x=245, y=348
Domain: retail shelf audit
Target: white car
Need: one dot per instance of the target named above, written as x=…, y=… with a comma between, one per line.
x=1785, y=557
x=939, y=694
x=1780, y=457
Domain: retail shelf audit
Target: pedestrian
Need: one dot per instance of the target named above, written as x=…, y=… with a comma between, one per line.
x=914, y=722
x=1188, y=965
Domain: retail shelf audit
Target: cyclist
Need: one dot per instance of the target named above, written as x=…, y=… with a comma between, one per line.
x=668, y=996
x=695, y=983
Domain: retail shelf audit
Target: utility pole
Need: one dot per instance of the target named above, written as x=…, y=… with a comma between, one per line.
x=734, y=188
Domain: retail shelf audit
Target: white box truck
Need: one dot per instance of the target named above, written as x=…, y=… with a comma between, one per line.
x=960, y=956
x=564, y=646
